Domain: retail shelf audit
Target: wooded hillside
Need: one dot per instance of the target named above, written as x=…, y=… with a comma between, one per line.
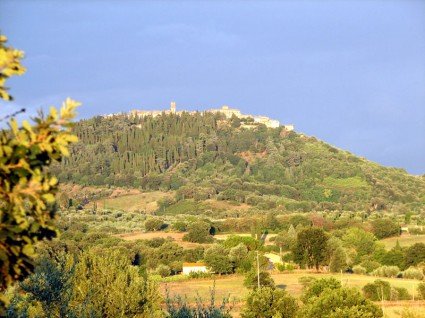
x=205, y=156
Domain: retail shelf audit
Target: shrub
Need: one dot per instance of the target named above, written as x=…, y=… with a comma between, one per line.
x=180, y=226
x=200, y=275
x=285, y=267
x=340, y=302
x=163, y=270
x=154, y=224
x=400, y=293
x=317, y=287
x=178, y=307
x=383, y=228
x=199, y=232
x=377, y=290
x=370, y=265
x=359, y=270
x=269, y=302
x=386, y=271
x=251, y=280
x=413, y=273
x=415, y=254
x=306, y=281
x=410, y=313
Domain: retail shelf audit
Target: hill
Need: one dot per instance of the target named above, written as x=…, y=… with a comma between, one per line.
x=207, y=155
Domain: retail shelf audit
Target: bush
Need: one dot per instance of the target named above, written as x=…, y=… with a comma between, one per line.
x=317, y=287
x=413, y=273
x=200, y=275
x=400, y=293
x=163, y=270
x=269, y=302
x=178, y=307
x=154, y=224
x=306, y=281
x=340, y=302
x=285, y=267
x=369, y=265
x=377, y=290
x=199, y=232
x=359, y=270
x=251, y=280
x=383, y=228
x=386, y=271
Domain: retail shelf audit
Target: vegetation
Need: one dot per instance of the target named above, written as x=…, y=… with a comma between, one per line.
x=267, y=302
x=203, y=157
x=27, y=189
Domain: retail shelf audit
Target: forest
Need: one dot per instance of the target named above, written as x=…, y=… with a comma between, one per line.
x=206, y=156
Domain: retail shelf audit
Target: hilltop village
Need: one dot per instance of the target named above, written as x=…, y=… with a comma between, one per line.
x=251, y=120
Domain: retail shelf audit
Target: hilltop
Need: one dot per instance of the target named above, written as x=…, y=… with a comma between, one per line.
x=214, y=155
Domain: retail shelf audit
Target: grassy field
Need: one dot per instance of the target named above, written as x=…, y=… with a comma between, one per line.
x=176, y=236
x=404, y=240
x=144, y=202
x=232, y=287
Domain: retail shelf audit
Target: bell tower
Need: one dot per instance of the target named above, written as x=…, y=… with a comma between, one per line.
x=173, y=107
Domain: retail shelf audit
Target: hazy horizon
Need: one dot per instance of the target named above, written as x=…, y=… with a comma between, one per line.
x=350, y=73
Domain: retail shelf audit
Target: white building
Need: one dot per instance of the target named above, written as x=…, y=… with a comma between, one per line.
x=194, y=268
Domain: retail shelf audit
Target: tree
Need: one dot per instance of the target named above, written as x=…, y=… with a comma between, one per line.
x=363, y=242
x=394, y=257
x=378, y=290
x=288, y=240
x=51, y=285
x=340, y=303
x=336, y=255
x=101, y=284
x=317, y=287
x=199, y=232
x=106, y=284
x=163, y=270
x=27, y=188
x=415, y=254
x=238, y=254
x=311, y=247
x=217, y=259
x=154, y=224
x=251, y=279
x=268, y=302
x=383, y=228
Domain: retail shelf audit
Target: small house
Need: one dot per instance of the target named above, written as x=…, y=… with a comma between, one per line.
x=194, y=268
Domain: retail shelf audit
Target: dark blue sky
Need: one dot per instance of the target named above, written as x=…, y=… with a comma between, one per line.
x=350, y=73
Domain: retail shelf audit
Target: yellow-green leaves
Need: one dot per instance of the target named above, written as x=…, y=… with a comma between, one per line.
x=10, y=65
x=27, y=190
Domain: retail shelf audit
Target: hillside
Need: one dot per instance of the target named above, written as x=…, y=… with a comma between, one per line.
x=208, y=156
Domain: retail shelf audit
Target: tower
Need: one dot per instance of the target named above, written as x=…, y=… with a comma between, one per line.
x=173, y=107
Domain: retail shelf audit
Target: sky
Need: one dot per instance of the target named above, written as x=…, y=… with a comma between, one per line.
x=351, y=73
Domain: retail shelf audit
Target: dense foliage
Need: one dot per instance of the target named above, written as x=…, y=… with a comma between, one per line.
x=27, y=189
x=204, y=156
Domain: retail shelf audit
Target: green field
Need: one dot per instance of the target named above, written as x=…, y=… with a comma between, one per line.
x=144, y=202
x=404, y=240
x=232, y=286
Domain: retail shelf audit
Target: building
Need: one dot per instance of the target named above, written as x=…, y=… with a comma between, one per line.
x=228, y=112
x=251, y=121
x=194, y=268
x=289, y=127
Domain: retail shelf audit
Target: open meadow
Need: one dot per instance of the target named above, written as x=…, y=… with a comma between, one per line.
x=231, y=286
x=404, y=240
x=146, y=202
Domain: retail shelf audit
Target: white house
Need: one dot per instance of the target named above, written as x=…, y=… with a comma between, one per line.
x=194, y=268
